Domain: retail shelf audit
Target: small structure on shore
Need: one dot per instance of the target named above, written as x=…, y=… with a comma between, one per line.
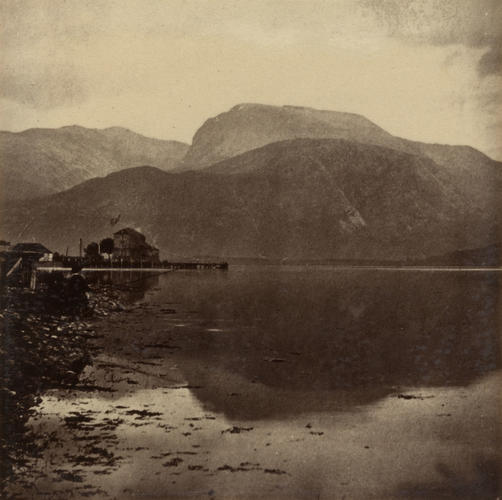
x=20, y=262
x=35, y=252
x=130, y=245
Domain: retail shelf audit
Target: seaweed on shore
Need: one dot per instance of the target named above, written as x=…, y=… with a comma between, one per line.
x=42, y=346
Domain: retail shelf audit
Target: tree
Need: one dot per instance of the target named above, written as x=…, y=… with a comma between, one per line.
x=107, y=246
x=92, y=250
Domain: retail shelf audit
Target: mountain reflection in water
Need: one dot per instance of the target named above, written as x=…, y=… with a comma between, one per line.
x=286, y=339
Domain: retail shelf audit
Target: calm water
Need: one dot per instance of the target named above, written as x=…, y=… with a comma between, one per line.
x=325, y=329
x=319, y=328
x=350, y=383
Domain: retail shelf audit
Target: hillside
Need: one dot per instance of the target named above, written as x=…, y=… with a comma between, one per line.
x=245, y=127
x=38, y=162
x=299, y=199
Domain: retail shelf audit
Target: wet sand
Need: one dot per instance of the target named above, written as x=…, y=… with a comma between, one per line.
x=158, y=415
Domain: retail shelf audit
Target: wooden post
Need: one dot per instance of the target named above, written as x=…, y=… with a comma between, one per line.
x=33, y=278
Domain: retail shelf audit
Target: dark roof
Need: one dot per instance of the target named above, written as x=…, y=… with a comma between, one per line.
x=4, y=243
x=30, y=248
x=128, y=230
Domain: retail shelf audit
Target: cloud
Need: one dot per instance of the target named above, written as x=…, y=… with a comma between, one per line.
x=491, y=62
x=162, y=67
x=39, y=57
x=491, y=97
x=46, y=87
x=472, y=23
x=28, y=22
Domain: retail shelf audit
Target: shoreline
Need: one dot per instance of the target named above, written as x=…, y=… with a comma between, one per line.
x=164, y=410
x=146, y=429
x=344, y=267
x=40, y=349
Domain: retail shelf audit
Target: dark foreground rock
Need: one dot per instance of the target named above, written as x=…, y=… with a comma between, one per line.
x=42, y=346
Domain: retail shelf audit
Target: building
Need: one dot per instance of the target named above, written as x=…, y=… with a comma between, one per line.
x=21, y=261
x=130, y=245
x=35, y=252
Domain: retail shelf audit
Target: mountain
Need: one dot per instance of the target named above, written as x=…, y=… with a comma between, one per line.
x=295, y=199
x=245, y=127
x=38, y=162
x=250, y=126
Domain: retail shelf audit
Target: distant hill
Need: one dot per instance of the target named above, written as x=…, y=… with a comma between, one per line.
x=258, y=182
x=38, y=162
x=290, y=200
x=245, y=127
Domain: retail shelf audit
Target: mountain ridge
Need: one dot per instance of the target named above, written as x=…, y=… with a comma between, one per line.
x=262, y=187
x=288, y=116
x=40, y=161
x=302, y=199
x=248, y=126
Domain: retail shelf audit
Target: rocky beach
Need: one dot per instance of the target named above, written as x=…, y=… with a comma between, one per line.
x=42, y=347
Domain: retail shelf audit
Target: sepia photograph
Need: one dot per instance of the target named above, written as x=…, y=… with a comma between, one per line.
x=250, y=249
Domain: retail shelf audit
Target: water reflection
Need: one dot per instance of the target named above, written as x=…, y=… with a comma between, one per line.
x=315, y=330
x=133, y=284
x=268, y=380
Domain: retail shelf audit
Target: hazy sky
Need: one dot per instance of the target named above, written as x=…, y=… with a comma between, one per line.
x=429, y=70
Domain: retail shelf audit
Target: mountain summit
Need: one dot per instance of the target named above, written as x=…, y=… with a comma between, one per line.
x=249, y=126
x=475, y=176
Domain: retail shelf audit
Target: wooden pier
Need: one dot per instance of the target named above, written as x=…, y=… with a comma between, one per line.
x=133, y=266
